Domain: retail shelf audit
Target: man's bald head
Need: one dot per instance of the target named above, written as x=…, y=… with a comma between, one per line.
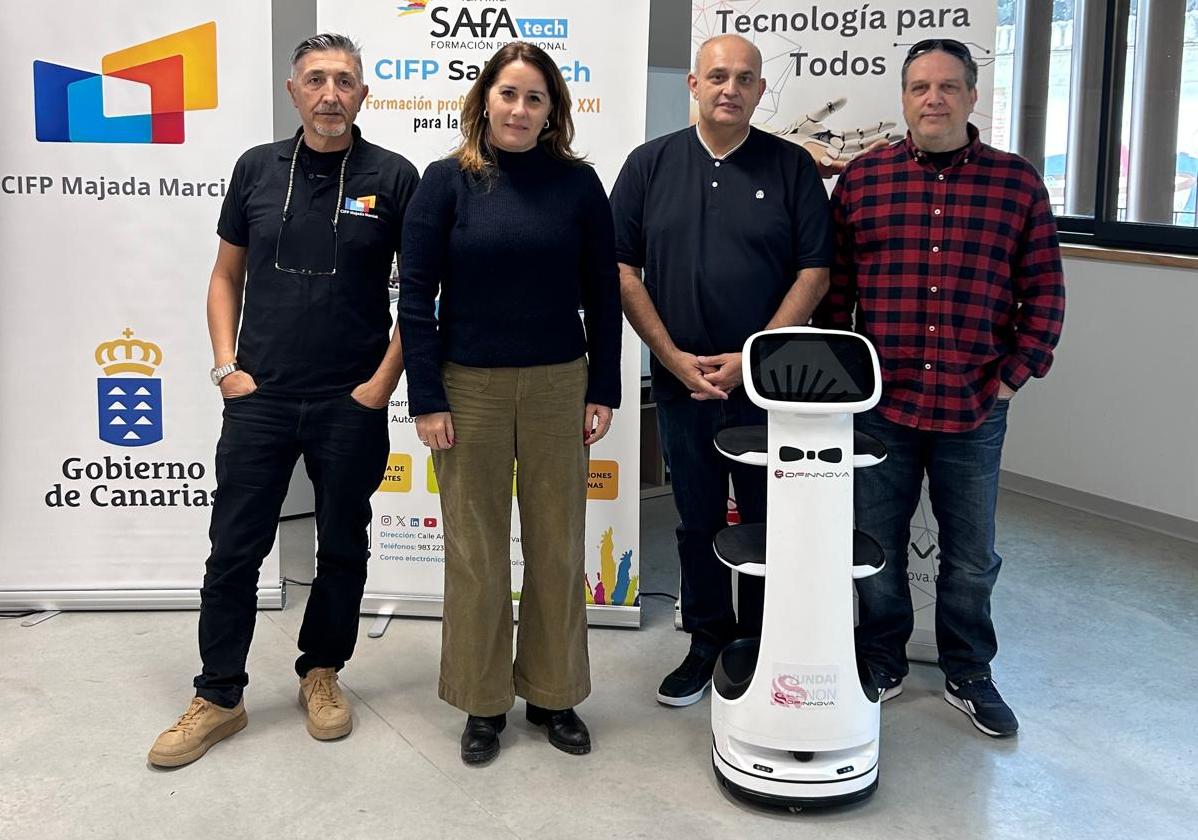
x=735, y=42
x=726, y=83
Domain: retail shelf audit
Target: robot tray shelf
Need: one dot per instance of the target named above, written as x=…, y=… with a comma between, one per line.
x=742, y=547
x=747, y=444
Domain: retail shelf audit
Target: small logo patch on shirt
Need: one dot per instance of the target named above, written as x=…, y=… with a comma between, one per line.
x=761, y=193
x=364, y=204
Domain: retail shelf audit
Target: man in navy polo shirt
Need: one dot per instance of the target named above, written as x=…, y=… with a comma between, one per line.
x=721, y=230
x=308, y=232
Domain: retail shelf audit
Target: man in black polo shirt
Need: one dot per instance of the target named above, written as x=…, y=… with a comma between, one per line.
x=721, y=230
x=314, y=221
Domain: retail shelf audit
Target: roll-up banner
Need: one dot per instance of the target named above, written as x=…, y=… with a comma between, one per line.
x=833, y=70
x=420, y=59
x=125, y=121
x=833, y=76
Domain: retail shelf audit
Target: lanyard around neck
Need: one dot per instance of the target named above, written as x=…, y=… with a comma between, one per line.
x=340, y=180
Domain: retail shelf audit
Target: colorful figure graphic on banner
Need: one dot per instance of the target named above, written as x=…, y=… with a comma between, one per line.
x=412, y=7
x=176, y=72
x=130, y=407
x=614, y=586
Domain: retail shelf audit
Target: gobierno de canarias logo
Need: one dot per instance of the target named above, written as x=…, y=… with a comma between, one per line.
x=129, y=396
x=139, y=95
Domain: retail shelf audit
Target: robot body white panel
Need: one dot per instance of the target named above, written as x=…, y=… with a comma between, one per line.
x=791, y=718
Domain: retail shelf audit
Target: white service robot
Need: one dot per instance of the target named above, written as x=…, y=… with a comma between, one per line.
x=794, y=715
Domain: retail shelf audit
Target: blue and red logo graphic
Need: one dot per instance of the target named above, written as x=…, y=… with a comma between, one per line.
x=139, y=95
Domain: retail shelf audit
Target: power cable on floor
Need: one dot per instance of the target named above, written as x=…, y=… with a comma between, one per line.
x=297, y=582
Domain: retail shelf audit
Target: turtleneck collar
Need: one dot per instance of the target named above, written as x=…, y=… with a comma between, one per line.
x=518, y=161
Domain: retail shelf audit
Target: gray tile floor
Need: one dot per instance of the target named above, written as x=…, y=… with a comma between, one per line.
x=1097, y=620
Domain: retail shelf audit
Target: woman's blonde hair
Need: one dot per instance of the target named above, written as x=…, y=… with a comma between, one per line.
x=474, y=155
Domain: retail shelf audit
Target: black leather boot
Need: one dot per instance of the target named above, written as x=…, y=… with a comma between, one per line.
x=480, y=739
x=567, y=732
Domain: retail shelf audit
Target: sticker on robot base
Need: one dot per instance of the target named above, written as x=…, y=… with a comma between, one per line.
x=805, y=686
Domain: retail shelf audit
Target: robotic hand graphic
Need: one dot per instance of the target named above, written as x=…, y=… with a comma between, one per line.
x=831, y=149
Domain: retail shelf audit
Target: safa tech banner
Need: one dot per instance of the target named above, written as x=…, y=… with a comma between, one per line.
x=420, y=59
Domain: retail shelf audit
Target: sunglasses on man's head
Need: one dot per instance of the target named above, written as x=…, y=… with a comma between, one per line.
x=948, y=45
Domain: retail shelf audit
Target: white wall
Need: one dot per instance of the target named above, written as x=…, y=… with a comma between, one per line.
x=1117, y=416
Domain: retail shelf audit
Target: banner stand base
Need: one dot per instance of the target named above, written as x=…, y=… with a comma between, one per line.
x=381, y=622
x=429, y=606
x=122, y=599
x=37, y=618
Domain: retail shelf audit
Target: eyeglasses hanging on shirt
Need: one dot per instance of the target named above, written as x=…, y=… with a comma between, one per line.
x=307, y=241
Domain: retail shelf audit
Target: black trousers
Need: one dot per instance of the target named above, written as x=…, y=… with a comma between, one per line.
x=345, y=448
x=699, y=475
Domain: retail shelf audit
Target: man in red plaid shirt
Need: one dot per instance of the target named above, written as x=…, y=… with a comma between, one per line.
x=946, y=249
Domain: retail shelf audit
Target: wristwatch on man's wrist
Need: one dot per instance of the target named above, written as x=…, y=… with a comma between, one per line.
x=219, y=373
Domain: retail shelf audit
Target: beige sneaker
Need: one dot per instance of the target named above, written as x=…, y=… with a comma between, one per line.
x=202, y=725
x=328, y=711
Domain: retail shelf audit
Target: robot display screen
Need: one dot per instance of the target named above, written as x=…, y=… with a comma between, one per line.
x=809, y=367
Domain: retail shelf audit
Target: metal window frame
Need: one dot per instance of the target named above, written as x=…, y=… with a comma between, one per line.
x=1104, y=229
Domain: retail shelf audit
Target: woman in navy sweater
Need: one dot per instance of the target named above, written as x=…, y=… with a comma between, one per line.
x=514, y=231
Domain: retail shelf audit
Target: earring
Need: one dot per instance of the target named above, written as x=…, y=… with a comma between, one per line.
x=486, y=116
x=546, y=123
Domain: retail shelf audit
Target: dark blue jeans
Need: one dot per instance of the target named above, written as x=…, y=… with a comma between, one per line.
x=962, y=470
x=345, y=448
x=699, y=477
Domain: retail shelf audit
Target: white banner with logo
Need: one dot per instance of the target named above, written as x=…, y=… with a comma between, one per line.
x=420, y=59
x=833, y=74
x=126, y=120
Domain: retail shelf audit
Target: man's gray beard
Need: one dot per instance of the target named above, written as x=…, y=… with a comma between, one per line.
x=327, y=131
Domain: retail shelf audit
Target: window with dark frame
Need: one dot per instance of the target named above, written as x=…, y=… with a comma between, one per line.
x=1102, y=97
